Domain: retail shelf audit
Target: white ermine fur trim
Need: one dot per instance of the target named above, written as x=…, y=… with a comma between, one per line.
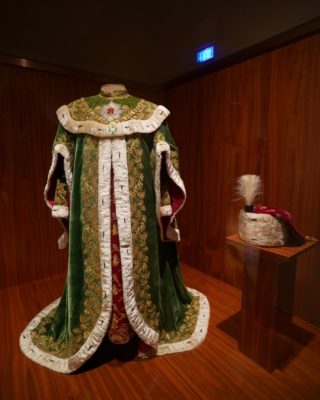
x=261, y=229
x=199, y=333
x=165, y=210
x=103, y=130
x=163, y=147
x=51, y=170
x=122, y=198
x=60, y=211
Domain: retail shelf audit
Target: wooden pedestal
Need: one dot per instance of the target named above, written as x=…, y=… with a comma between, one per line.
x=267, y=300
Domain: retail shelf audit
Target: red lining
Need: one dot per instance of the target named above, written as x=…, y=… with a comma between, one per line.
x=176, y=194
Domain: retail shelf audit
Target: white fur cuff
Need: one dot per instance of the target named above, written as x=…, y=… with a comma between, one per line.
x=165, y=210
x=60, y=211
x=171, y=232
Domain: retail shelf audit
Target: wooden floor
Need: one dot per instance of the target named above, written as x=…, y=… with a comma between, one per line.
x=214, y=370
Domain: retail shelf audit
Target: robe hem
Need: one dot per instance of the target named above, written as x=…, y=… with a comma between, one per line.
x=199, y=332
x=68, y=365
x=114, y=152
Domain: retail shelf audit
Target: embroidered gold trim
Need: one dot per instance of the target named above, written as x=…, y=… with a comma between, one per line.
x=110, y=93
x=61, y=194
x=114, y=96
x=90, y=238
x=199, y=332
x=80, y=110
x=158, y=137
x=140, y=234
x=91, y=260
x=186, y=327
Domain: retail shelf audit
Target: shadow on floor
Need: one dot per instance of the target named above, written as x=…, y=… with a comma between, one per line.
x=108, y=352
x=290, y=336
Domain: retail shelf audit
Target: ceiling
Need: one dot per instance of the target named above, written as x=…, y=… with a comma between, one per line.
x=148, y=42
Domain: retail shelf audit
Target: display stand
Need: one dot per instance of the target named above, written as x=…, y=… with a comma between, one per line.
x=267, y=300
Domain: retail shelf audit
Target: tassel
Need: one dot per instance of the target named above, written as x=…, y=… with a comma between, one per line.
x=249, y=187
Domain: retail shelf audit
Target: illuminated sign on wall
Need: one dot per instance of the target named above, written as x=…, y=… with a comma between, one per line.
x=205, y=54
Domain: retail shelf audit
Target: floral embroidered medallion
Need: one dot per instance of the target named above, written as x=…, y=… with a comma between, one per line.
x=81, y=111
x=111, y=111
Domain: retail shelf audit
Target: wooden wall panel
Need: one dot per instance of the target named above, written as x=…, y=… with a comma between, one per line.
x=28, y=233
x=260, y=116
x=292, y=164
x=187, y=128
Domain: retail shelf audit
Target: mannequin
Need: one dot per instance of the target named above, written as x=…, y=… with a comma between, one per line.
x=114, y=90
x=114, y=185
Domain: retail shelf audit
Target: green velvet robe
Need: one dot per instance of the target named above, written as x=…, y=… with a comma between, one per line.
x=130, y=136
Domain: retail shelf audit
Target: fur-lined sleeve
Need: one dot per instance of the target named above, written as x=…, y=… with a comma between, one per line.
x=169, y=187
x=58, y=188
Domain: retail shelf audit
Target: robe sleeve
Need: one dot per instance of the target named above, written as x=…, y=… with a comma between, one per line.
x=169, y=187
x=58, y=188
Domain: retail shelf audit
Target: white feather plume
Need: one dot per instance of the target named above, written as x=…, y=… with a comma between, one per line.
x=249, y=187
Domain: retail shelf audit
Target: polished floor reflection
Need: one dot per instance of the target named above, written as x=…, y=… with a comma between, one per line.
x=215, y=370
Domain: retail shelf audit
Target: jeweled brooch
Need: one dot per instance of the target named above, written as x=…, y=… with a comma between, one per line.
x=111, y=111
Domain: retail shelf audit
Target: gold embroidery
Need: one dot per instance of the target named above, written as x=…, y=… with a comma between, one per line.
x=90, y=235
x=139, y=233
x=61, y=194
x=174, y=158
x=91, y=263
x=159, y=137
x=186, y=327
x=165, y=196
x=114, y=230
x=115, y=278
x=110, y=94
x=80, y=111
x=116, y=260
x=122, y=335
